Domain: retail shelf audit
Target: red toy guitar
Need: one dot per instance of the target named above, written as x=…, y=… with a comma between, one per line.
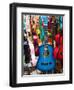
x=58, y=50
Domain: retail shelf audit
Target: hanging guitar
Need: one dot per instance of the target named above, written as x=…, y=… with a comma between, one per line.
x=59, y=40
x=46, y=61
x=58, y=50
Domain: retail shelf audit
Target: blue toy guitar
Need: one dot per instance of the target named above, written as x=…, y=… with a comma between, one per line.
x=46, y=61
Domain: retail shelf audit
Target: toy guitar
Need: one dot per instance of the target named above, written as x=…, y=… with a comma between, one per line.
x=60, y=21
x=26, y=49
x=46, y=61
x=58, y=50
x=30, y=53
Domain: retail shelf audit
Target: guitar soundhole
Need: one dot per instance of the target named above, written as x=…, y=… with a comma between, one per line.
x=61, y=53
x=46, y=52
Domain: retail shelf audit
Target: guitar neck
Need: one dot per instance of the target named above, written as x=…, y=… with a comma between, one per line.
x=53, y=27
x=46, y=36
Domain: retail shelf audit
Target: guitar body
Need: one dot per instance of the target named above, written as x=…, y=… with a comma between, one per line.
x=46, y=61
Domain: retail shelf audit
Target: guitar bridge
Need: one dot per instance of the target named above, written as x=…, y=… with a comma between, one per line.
x=44, y=63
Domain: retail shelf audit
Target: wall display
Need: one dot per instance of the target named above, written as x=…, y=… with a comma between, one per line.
x=40, y=44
